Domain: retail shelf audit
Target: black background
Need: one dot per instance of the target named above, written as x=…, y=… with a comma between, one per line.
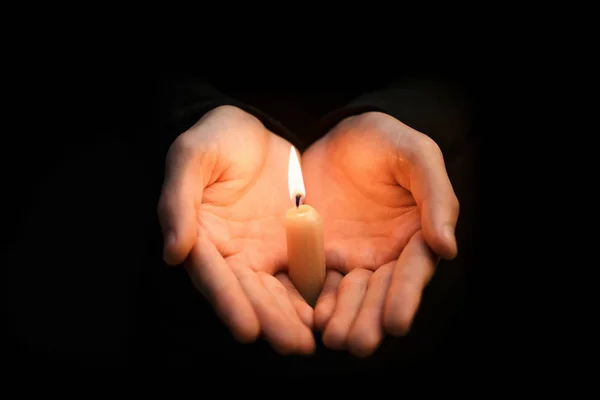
x=85, y=282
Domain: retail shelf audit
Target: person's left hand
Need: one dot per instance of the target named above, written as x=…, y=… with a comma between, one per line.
x=389, y=212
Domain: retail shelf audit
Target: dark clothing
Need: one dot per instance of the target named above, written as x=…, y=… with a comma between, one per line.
x=86, y=283
x=303, y=116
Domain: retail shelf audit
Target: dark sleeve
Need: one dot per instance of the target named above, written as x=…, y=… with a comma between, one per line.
x=439, y=109
x=187, y=99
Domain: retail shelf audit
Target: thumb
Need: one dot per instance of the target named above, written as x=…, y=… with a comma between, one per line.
x=181, y=192
x=438, y=221
x=433, y=192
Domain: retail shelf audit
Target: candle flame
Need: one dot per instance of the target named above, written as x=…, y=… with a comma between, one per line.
x=295, y=179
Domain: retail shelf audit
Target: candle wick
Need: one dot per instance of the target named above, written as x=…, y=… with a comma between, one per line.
x=298, y=198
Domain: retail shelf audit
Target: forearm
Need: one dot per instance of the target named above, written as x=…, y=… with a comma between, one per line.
x=439, y=109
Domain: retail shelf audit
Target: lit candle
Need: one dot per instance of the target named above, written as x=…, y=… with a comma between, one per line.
x=304, y=232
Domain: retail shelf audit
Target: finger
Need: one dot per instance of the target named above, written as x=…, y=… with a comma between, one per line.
x=412, y=272
x=211, y=274
x=366, y=332
x=431, y=187
x=349, y=299
x=327, y=299
x=181, y=192
x=304, y=311
x=304, y=337
x=276, y=328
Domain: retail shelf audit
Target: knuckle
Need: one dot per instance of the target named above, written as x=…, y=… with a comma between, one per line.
x=381, y=274
x=356, y=278
x=278, y=288
x=345, y=284
x=361, y=274
x=373, y=279
x=273, y=284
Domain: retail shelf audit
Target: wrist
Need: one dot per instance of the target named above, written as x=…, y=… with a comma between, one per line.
x=372, y=119
x=229, y=114
x=232, y=112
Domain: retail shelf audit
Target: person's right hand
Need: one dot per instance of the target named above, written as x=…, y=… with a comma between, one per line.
x=222, y=211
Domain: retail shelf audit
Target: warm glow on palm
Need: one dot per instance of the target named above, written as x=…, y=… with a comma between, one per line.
x=386, y=201
x=224, y=203
x=368, y=218
x=242, y=212
x=388, y=210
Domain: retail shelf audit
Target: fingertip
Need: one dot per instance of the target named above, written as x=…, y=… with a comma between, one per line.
x=304, y=311
x=178, y=246
x=177, y=218
x=321, y=316
x=450, y=242
x=442, y=241
x=170, y=254
x=335, y=336
x=397, y=321
x=172, y=257
x=310, y=348
x=396, y=327
x=327, y=300
x=362, y=343
x=238, y=315
x=307, y=343
x=363, y=346
x=364, y=340
x=289, y=343
x=247, y=332
x=281, y=349
x=306, y=314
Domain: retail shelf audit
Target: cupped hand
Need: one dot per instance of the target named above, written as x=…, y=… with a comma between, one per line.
x=389, y=212
x=222, y=211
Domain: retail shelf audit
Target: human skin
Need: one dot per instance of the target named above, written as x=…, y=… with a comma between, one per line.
x=389, y=212
x=221, y=210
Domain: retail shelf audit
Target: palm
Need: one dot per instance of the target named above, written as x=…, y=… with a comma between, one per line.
x=240, y=245
x=386, y=202
x=368, y=217
x=242, y=212
x=223, y=208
